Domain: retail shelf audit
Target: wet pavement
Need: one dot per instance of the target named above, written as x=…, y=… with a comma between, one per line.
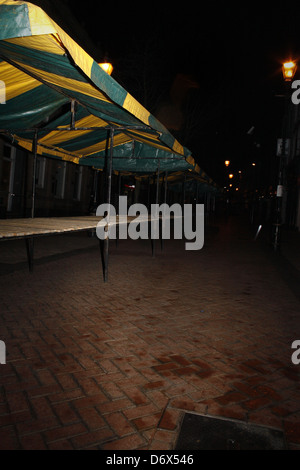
x=116, y=366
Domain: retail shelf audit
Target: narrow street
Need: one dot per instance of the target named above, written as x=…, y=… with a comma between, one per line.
x=115, y=366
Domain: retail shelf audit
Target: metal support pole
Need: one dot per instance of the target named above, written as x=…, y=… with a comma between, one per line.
x=108, y=200
x=30, y=241
x=149, y=194
x=157, y=184
x=34, y=151
x=166, y=187
x=183, y=190
x=156, y=202
x=119, y=186
x=95, y=188
x=73, y=103
x=119, y=194
x=165, y=201
x=196, y=203
x=29, y=248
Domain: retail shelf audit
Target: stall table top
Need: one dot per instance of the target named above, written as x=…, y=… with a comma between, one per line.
x=26, y=228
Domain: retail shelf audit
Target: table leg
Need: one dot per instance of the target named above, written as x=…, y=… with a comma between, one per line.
x=29, y=248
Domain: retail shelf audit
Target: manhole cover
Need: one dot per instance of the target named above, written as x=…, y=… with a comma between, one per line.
x=208, y=433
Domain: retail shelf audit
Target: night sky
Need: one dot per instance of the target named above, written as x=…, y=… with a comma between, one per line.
x=208, y=72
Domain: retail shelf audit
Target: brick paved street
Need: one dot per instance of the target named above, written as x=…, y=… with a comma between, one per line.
x=115, y=366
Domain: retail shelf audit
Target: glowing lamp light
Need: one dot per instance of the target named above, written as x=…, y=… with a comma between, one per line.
x=227, y=162
x=231, y=176
x=289, y=70
x=107, y=67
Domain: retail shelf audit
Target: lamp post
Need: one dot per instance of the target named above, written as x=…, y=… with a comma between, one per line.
x=288, y=71
x=227, y=163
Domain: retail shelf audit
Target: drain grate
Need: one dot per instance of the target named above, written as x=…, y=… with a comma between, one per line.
x=209, y=433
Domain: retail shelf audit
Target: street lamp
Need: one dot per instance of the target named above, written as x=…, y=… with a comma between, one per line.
x=227, y=162
x=107, y=67
x=288, y=70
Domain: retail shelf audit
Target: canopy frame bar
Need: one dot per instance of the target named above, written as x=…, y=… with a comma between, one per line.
x=34, y=168
x=64, y=129
x=105, y=244
x=156, y=202
x=30, y=241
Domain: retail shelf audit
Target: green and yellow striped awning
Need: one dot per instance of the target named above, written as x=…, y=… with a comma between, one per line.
x=43, y=71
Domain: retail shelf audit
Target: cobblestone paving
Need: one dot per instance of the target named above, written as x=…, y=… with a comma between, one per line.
x=115, y=366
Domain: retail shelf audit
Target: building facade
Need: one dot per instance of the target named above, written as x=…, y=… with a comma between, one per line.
x=62, y=188
x=293, y=169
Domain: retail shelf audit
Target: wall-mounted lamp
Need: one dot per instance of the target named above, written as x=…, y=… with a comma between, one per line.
x=289, y=70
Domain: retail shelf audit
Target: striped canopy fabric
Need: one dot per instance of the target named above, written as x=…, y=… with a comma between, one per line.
x=194, y=183
x=45, y=74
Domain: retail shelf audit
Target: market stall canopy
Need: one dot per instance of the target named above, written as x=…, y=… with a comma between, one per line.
x=190, y=179
x=137, y=157
x=53, y=86
x=193, y=182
